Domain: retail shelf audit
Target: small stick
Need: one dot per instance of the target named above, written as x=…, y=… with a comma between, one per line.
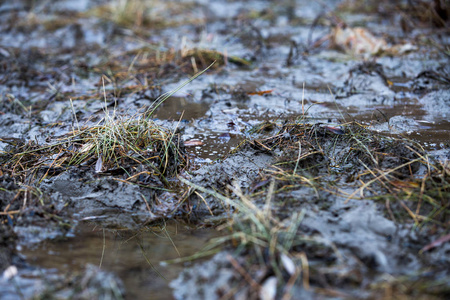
x=243, y=273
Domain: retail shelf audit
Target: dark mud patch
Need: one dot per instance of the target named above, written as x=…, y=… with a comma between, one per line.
x=87, y=196
x=241, y=169
x=25, y=213
x=208, y=280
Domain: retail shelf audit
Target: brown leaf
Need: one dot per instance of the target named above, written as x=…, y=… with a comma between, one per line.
x=357, y=40
x=193, y=143
x=260, y=93
x=333, y=129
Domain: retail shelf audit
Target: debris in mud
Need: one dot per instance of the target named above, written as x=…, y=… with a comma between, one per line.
x=116, y=165
x=437, y=243
x=193, y=143
x=383, y=168
x=318, y=166
x=27, y=211
x=262, y=243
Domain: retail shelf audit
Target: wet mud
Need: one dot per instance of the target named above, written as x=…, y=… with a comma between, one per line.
x=310, y=159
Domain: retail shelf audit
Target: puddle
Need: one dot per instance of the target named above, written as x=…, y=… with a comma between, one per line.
x=123, y=255
x=215, y=146
x=178, y=108
x=434, y=136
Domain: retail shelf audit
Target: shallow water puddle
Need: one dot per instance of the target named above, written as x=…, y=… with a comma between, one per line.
x=123, y=256
x=180, y=108
x=215, y=146
x=434, y=136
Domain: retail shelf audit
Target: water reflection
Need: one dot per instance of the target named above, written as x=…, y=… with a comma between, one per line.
x=125, y=253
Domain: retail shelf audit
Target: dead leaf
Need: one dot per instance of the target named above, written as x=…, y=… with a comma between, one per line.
x=404, y=184
x=359, y=41
x=10, y=272
x=288, y=264
x=86, y=147
x=99, y=164
x=268, y=289
x=260, y=93
x=193, y=143
x=333, y=129
x=356, y=40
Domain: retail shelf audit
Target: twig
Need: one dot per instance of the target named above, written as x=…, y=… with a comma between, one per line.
x=244, y=273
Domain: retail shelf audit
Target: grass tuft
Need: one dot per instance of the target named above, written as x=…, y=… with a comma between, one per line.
x=255, y=231
x=349, y=157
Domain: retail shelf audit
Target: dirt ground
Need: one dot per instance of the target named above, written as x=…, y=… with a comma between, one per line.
x=224, y=149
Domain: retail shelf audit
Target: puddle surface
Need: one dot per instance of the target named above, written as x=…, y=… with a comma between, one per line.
x=123, y=256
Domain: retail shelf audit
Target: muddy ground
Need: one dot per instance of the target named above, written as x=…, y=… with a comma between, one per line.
x=310, y=160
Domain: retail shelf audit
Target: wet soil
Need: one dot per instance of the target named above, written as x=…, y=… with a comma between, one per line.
x=341, y=148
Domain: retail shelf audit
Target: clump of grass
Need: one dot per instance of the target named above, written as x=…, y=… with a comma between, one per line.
x=128, y=13
x=112, y=145
x=131, y=12
x=257, y=233
x=424, y=199
x=351, y=157
x=142, y=15
x=118, y=142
